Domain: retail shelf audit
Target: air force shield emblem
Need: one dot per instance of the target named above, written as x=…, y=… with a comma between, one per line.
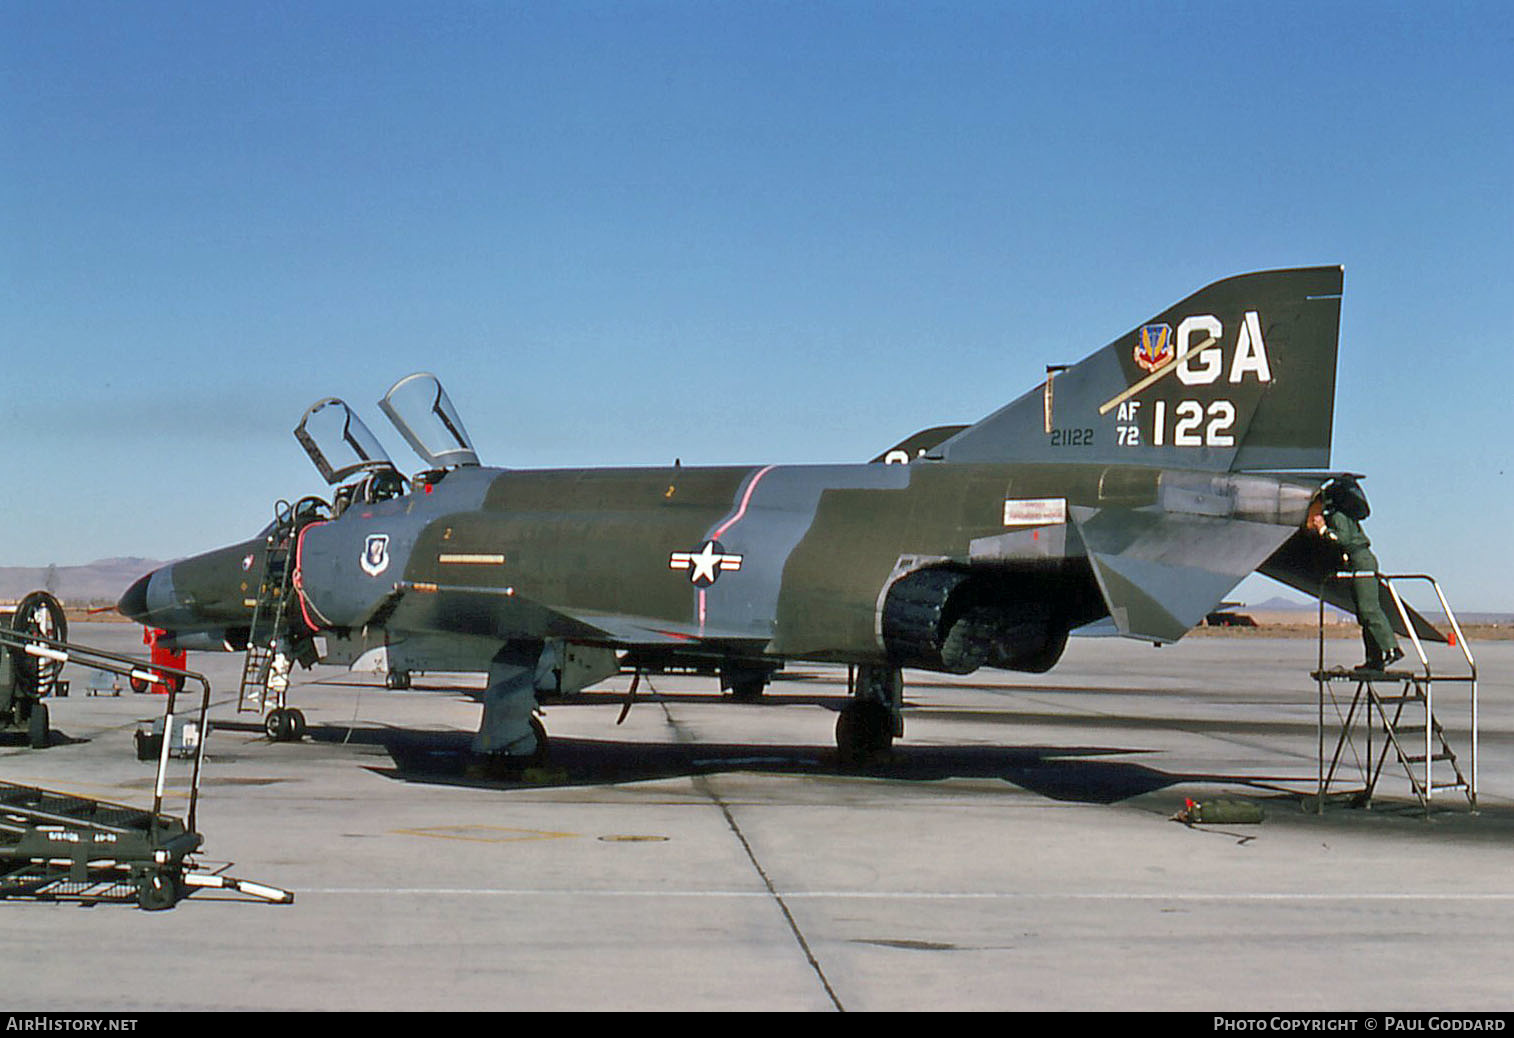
x=375, y=554
x=1153, y=347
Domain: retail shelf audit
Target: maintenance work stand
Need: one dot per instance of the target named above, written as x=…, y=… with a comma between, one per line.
x=56, y=846
x=1392, y=714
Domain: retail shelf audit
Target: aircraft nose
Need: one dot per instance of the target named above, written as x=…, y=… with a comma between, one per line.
x=133, y=604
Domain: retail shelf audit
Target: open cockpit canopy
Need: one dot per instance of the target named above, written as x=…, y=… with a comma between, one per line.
x=339, y=443
x=421, y=411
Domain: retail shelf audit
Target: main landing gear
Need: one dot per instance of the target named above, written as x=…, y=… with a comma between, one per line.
x=873, y=719
x=745, y=683
x=511, y=737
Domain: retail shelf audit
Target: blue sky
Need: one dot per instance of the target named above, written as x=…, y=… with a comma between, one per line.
x=724, y=232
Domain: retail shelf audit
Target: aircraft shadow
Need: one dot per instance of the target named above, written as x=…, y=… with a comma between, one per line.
x=1067, y=773
x=12, y=737
x=833, y=695
x=1073, y=774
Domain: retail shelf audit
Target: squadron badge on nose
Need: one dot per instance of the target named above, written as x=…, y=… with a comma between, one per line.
x=375, y=554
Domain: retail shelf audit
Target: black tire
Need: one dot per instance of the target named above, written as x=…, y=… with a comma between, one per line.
x=157, y=892
x=748, y=690
x=538, y=756
x=297, y=725
x=397, y=680
x=543, y=751
x=38, y=734
x=165, y=684
x=277, y=725
x=41, y=614
x=503, y=767
x=864, y=731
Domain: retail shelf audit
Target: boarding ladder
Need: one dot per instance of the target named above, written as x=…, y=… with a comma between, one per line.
x=1393, y=713
x=265, y=673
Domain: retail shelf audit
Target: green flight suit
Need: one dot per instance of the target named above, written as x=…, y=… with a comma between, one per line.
x=1377, y=633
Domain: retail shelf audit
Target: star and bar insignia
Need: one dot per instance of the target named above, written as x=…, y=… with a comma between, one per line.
x=706, y=564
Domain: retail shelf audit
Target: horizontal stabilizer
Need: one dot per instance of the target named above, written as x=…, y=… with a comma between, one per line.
x=1161, y=574
x=1305, y=563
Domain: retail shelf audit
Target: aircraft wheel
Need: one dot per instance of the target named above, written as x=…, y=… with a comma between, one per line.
x=42, y=614
x=748, y=690
x=157, y=891
x=168, y=683
x=539, y=756
x=297, y=725
x=397, y=679
x=277, y=725
x=864, y=731
x=37, y=731
x=507, y=767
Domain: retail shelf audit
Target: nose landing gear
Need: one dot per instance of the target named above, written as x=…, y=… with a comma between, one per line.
x=284, y=724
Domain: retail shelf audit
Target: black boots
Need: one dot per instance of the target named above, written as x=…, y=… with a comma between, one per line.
x=1377, y=661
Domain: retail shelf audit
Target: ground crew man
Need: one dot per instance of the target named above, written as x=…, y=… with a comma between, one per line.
x=1333, y=518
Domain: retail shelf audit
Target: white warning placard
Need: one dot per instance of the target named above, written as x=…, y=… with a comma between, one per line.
x=1035, y=511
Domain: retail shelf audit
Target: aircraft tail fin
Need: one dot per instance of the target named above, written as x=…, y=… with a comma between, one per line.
x=1240, y=376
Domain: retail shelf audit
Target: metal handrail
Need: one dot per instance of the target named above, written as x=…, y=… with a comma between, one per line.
x=43, y=647
x=1461, y=641
x=1424, y=681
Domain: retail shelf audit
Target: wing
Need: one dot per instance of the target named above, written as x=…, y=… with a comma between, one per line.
x=500, y=615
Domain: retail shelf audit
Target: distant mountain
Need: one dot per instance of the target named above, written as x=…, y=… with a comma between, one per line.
x=95, y=582
x=1279, y=604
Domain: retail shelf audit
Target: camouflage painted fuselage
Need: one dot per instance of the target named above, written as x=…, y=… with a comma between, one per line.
x=792, y=561
x=799, y=562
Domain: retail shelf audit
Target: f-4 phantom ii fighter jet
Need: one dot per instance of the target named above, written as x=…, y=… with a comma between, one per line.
x=1140, y=485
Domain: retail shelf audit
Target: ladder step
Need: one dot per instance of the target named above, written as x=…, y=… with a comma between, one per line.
x=1420, y=758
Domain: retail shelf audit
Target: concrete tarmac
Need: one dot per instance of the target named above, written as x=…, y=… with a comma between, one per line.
x=1016, y=852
